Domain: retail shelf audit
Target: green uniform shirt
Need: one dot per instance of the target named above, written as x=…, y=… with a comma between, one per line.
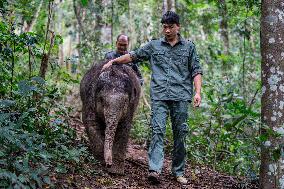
x=173, y=68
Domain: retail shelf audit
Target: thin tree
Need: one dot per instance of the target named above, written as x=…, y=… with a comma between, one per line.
x=222, y=9
x=224, y=34
x=169, y=5
x=29, y=26
x=272, y=109
x=46, y=55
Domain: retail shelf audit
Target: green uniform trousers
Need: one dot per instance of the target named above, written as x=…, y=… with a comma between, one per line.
x=178, y=111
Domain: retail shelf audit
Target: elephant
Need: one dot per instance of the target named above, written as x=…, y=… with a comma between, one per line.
x=109, y=100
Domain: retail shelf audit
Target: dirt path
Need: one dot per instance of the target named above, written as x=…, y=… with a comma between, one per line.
x=136, y=174
x=136, y=168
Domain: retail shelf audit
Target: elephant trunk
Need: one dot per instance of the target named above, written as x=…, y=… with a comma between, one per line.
x=115, y=109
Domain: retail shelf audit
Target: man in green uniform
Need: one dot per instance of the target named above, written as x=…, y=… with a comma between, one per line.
x=175, y=67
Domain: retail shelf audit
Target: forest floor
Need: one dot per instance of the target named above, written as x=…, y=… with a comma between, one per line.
x=136, y=172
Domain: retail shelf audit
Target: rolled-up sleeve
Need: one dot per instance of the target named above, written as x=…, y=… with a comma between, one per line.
x=142, y=54
x=195, y=63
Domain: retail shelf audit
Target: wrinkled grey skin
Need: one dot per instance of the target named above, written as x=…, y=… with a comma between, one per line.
x=110, y=98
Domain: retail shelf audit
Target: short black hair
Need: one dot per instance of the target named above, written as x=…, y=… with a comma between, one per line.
x=170, y=17
x=122, y=35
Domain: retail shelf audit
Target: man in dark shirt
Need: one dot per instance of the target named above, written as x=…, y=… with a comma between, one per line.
x=175, y=67
x=122, y=43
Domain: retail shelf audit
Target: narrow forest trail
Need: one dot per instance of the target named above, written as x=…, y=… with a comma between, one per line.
x=136, y=170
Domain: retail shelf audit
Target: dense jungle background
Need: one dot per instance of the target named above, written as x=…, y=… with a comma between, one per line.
x=47, y=45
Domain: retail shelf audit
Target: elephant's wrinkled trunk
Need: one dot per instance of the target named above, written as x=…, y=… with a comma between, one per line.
x=113, y=111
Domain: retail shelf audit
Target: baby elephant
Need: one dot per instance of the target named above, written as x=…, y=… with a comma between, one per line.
x=110, y=98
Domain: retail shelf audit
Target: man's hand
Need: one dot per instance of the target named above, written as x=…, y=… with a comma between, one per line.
x=197, y=100
x=120, y=60
x=108, y=64
x=197, y=85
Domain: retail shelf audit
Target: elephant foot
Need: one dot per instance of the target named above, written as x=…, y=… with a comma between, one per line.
x=117, y=169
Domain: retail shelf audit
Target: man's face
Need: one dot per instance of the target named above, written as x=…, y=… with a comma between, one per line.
x=122, y=45
x=170, y=31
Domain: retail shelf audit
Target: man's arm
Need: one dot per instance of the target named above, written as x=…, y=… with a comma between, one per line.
x=120, y=60
x=196, y=72
x=197, y=84
x=143, y=53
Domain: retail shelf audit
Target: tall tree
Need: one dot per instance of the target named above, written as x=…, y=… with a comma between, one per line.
x=89, y=16
x=49, y=39
x=272, y=110
x=29, y=26
x=99, y=24
x=169, y=5
x=223, y=25
x=222, y=9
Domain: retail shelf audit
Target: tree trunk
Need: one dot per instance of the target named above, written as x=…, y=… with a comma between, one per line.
x=98, y=28
x=223, y=25
x=77, y=10
x=29, y=26
x=169, y=5
x=131, y=25
x=222, y=8
x=61, y=55
x=112, y=23
x=61, y=46
x=69, y=52
x=106, y=29
x=272, y=109
x=45, y=56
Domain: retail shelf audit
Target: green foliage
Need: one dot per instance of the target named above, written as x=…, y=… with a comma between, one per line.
x=84, y=2
x=141, y=127
x=224, y=133
x=19, y=53
x=35, y=137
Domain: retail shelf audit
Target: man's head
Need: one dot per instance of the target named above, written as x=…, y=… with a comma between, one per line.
x=170, y=21
x=122, y=42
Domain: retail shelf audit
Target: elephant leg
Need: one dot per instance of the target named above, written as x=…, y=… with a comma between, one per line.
x=120, y=148
x=96, y=138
